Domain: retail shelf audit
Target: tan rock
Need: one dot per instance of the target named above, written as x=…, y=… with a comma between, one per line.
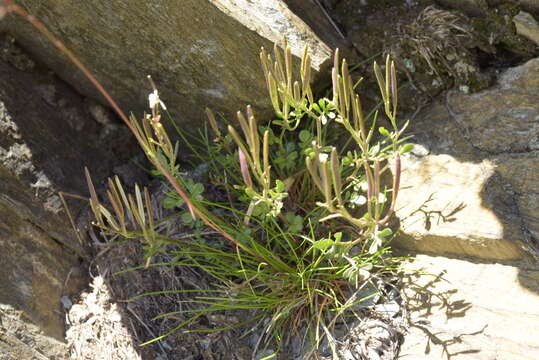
x=441, y=210
x=474, y=190
x=527, y=26
x=466, y=310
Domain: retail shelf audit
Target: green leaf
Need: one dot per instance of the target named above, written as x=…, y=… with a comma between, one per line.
x=250, y=192
x=384, y=131
x=305, y=136
x=292, y=156
x=406, y=148
x=385, y=233
x=290, y=146
x=186, y=218
x=279, y=186
x=170, y=203
x=323, y=244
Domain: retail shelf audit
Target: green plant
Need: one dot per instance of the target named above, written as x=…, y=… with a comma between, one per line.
x=306, y=223
x=296, y=261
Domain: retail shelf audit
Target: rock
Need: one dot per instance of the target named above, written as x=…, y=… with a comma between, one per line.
x=468, y=310
x=436, y=44
x=46, y=139
x=478, y=7
x=21, y=339
x=199, y=53
x=476, y=192
x=319, y=20
x=527, y=26
x=531, y=6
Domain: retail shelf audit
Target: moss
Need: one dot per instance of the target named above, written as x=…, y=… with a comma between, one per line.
x=497, y=29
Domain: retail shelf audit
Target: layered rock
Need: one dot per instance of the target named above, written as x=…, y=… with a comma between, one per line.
x=471, y=188
x=47, y=136
x=468, y=310
x=199, y=52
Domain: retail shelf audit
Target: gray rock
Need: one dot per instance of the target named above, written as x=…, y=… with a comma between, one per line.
x=46, y=139
x=199, y=52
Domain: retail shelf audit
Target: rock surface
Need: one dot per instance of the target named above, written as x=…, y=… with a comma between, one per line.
x=469, y=310
x=471, y=188
x=527, y=26
x=531, y=6
x=199, y=52
x=47, y=136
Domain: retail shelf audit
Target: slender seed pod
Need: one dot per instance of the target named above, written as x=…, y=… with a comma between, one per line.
x=240, y=144
x=265, y=156
x=335, y=81
x=377, y=181
x=314, y=174
x=279, y=64
x=286, y=111
x=380, y=80
x=149, y=208
x=348, y=89
x=396, y=187
x=335, y=77
x=245, y=169
x=396, y=179
x=336, y=175
x=394, y=90
x=288, y=64
x=274, y=95
x=255, y=141
x=342, y=101
x=304, y=57
x=120, y=189
x=116, y=205
x=135, y=212
x=110, y=219
x=94, y=201
x=306, y=80
x=388, y=80
x=326, y=181
x=140, y=204
x=297, y=92
x=244, y=127
x=310, y=95
x=336, y=59
x=213, y=123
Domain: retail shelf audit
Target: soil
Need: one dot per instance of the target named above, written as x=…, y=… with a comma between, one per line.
x=106, y=322
x=110, y=321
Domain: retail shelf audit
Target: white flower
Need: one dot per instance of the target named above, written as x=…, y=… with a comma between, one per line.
x=154, y=100
x=324, y=119
x=323, y=157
